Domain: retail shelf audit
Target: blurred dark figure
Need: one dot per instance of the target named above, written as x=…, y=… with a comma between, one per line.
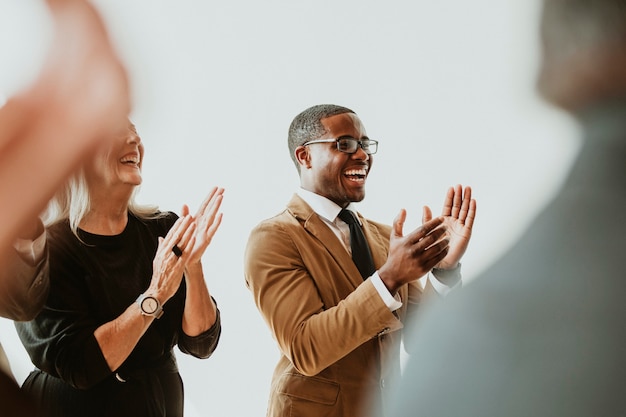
x=542, y=332
x=78, y=100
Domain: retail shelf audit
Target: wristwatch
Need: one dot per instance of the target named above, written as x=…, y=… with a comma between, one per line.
x=150, y=306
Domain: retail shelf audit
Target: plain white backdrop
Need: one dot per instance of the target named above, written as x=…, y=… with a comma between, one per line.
x=447, y=88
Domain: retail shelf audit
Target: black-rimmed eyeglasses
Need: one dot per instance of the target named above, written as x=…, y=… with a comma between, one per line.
x=350, y=145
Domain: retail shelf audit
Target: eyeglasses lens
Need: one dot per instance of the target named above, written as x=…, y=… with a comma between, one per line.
x=350, y=145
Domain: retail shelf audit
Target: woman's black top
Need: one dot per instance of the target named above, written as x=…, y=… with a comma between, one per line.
x=93, y=280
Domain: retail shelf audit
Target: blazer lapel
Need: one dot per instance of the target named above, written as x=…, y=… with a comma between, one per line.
x=315, y=226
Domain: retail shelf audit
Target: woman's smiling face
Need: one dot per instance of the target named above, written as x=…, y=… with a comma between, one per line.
x=120, y=162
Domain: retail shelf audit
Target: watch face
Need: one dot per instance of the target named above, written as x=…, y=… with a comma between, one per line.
x=149, y=305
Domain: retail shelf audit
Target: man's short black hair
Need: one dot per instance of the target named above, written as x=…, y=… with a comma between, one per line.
x=307, y=125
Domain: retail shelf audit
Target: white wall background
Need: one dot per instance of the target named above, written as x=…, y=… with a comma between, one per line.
x=446, y=87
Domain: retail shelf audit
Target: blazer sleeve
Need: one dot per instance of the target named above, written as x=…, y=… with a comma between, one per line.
x=311, y=334
x=23, y=287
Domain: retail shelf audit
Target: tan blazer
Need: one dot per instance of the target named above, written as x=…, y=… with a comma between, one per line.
x=339, y=341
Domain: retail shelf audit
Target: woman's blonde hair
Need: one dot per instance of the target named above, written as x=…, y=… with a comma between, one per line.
x=72, y=203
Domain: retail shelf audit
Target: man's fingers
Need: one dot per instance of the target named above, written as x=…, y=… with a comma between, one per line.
x=447, y=203
x=432, y=238
x=435, y=254
x=398, y=223
x=419, y=233
x=427, y=214
x=471, y=214
x=465, y=204
x=457, y=201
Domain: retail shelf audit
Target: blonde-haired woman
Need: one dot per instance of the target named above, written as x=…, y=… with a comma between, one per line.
x=126, y=286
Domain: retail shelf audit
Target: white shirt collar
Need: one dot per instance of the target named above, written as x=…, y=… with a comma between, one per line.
x=323, y=206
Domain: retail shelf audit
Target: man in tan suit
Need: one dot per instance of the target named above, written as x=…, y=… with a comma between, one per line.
x=338, y=328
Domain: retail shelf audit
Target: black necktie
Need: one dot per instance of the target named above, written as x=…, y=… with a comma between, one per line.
x=361, y=254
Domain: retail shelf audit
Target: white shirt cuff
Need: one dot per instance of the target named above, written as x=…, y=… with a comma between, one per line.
x=390, y=301
x=441, y=289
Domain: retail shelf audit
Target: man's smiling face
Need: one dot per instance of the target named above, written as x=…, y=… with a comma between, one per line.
x=336, y=175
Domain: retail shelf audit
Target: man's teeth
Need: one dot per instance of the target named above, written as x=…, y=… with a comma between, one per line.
x=356, y=172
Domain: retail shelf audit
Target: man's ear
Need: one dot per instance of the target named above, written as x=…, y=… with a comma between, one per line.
x=302, y=156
